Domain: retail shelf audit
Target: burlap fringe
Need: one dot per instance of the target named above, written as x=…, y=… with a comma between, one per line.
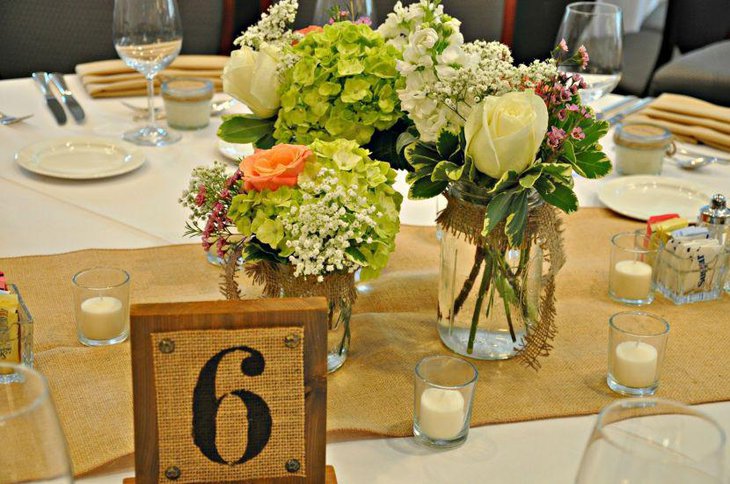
x=278, y=280
x=466, y=219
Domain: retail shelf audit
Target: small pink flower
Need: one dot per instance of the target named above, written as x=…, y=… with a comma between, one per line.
x=331, y=21
x=573, y=107
x=563, y=45
x=577, y=133
x=364, y=20
x=583, y=57
x=555, y=137
x=562, y=114
x=200, y=197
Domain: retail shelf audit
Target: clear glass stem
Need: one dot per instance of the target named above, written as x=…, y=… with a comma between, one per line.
x=151, y=121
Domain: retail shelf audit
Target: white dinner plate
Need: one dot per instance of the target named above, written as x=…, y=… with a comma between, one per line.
x=234, y=151
x=642, y=196
x=80, y=158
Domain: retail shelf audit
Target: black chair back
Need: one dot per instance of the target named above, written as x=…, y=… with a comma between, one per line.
x=55, y=35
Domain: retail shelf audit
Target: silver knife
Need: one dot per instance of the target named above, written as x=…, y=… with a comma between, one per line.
x=630, y=110
x=68, y=98
x=614, y=106
x=41, y=80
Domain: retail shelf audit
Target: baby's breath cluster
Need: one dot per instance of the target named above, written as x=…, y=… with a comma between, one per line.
x=327, y=223
x=273, y=28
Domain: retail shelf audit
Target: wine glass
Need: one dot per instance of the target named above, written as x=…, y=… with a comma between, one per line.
x=148, y=37
x=650, y=440
x=34, y=448
x=353, y=10
x=597, y=26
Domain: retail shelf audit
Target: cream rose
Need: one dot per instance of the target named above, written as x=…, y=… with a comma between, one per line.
x=251, y=77
x=503, y=133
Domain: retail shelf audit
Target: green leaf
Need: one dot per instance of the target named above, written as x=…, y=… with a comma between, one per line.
x=448, y=144
x=568, y=152
x=383, y=146
x=354, y=254
x=447, y=171
x=516, y=222
x=544, y=185
x=592, y=164
x=508, y=180
x=528, y=179
x=245, y=128
x=424, y=188
x=267, y=142
x=497, y=210
x=561, y=197
x=405, y=139
x=594, y=133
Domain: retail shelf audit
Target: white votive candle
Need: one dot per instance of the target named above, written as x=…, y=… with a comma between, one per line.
x=631, y=279
x=635, y=364
x=102, y=318
x=441, y=415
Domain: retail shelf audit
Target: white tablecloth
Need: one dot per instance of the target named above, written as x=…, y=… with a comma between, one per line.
x=45, y=216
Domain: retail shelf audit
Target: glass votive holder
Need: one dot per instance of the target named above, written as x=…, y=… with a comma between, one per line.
x=187, y=102
x=637, y=342
x=630, y=274
x=641, y=148
x=443, y=396
x=101, y=302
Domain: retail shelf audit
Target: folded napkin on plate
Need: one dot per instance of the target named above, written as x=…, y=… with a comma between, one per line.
x=112, y=78
x=689, y=119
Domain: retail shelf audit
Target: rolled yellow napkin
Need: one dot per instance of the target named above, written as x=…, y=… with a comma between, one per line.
x=112, y=78
x=689, y=119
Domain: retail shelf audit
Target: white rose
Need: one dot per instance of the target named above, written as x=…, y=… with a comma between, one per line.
x=503, y=133
x=251, y=77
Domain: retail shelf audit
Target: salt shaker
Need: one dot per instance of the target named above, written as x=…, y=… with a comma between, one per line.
x=716, y=217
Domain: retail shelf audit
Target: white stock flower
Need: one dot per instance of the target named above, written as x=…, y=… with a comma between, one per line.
x=505, y=132
x=252, y=78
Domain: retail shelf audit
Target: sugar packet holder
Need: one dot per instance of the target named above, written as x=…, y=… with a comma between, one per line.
x=16, y=332
x=690, y=266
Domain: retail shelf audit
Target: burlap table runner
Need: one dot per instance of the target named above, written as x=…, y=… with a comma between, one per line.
x=394, y=326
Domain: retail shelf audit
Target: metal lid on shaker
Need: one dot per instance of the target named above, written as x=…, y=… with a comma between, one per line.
x=717, y=212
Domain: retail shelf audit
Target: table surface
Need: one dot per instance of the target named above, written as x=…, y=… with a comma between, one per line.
x=46, y=216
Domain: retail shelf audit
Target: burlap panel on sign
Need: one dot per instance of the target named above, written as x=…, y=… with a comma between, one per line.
x=182, y=372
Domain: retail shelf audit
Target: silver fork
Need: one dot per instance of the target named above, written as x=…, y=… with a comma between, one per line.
x=6, y=120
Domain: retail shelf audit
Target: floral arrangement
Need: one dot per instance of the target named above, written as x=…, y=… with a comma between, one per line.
x=318, y=83
x=502, y=142
x=323, y=209
x=483, y=121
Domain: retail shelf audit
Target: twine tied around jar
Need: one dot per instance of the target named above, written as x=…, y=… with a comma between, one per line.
x=279, y=279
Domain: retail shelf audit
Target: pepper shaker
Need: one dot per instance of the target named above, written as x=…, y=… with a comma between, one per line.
x=716, y=217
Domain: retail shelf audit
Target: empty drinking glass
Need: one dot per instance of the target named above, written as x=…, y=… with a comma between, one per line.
x=34, y=448
x=148, y=37
x=650, y=440
x=597, y=27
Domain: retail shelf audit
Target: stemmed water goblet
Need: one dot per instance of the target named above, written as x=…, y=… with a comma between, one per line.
x=148, y=37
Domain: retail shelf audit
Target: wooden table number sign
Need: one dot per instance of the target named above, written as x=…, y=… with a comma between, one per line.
x=230, y=391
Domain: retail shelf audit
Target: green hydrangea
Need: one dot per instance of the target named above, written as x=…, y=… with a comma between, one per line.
x=342, y=86
x=341, y=216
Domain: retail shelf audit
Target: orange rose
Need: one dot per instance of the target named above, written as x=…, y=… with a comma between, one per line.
x=270, y=169
x=307, y=30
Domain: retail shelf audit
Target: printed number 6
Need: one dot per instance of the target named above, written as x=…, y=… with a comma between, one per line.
x=205, y=408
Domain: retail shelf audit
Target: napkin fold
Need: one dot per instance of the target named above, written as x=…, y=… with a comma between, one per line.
x=112, y=78
x=689, y=119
